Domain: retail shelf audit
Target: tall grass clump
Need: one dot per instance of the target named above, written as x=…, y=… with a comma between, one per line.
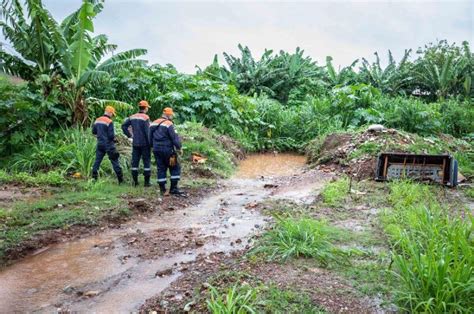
x=433, y=252
x=235, y=300
x=80, y=153
x=303, y=237
x=334, y=193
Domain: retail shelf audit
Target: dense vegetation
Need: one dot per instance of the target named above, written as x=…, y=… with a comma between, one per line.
x=280, y=101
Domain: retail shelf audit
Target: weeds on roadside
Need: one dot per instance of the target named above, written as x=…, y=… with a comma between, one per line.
x=53, y=178
x=303, y=237
x=239, y=292
x=235, y=300
x=335, y=192
x=433, y=254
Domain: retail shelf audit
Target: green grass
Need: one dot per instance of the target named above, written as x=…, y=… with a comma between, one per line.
x=466, y=162
x=369, y=148
x=239, y=292
x=198, y=139
x=234, y=300
x=334, y=193
x=85, y=204
x=470, y=192
x=52, y=178
x=301, y=237
x=433, y=251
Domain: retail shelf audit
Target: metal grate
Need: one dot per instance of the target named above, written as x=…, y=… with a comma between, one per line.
x=420, y=172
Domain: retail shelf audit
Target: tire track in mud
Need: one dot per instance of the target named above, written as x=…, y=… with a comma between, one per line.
x=117, y=271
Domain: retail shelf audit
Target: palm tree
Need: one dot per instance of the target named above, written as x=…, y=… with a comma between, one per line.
x=62, y=56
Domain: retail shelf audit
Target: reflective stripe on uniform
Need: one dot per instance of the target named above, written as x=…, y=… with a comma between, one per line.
x=134, y=168
x=102, y=122
x=162, y=180
x=162, y=124
x=175, y=177
x=138, y=118
x=146, y=169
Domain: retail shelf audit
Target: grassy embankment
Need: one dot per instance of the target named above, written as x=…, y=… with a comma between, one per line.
x=61, y=202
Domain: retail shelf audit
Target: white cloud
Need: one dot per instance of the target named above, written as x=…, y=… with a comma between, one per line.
x=186, y=33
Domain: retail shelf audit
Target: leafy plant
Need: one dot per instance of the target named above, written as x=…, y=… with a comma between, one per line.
x=443, y=70
x=394, y=79
x=63, y=57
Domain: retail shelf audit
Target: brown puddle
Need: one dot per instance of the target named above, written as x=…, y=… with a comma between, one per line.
x=55, y=278
x=270, y=165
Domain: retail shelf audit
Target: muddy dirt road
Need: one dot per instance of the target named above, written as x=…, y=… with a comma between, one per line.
x=116, y=271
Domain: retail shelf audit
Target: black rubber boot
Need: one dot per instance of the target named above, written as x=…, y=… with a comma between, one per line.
x=135, y=178
x=162, y=189
x=174, y=190
x=95, y=176
x=147, y=181
x=120, y=178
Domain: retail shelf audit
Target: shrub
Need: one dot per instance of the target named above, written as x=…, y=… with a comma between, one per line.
x=198, y=139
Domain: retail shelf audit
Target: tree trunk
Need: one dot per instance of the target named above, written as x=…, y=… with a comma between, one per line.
x=80, y=112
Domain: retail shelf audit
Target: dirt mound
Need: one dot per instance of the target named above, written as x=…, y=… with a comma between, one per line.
x=232, y=146
x=356, y=153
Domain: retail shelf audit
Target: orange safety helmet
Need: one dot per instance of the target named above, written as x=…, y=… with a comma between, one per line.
x=144, y=103
x=110, y=109
x=168, y=111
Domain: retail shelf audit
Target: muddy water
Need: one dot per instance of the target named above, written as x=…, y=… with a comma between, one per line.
x=51, y=279
x=258, y=165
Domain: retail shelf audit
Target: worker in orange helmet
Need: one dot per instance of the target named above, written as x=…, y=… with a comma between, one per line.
x=103, y=129
x=165, y=143
x=140, y=125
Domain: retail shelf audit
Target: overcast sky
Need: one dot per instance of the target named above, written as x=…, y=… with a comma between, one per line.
x=189, y=33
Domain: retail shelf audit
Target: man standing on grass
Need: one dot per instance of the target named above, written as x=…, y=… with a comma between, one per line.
x=140, y=125
x=103, y=129
x=165, y=143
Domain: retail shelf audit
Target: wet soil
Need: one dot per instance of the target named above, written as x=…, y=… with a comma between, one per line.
x=142, y=257
x=11, y=192
x=140, y=207
x=324, y=288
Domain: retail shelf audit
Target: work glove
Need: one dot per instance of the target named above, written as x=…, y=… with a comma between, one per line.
x=130, y=140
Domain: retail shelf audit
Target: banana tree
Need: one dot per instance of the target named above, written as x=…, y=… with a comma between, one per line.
x=393, y=79
x=63, y=56
x=444, y=70
x=341, y=77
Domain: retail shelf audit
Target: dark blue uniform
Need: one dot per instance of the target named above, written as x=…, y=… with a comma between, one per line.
x=140, y=124
x=103, y=128
x=165, y=142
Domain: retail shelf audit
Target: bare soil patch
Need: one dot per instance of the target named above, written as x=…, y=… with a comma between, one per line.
x=12, y=192
x=325, y=288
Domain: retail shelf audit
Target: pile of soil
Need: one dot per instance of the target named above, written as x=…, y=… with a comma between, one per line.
x=356, y=153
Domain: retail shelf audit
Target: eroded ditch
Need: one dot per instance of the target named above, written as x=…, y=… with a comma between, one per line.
x=118, y=269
